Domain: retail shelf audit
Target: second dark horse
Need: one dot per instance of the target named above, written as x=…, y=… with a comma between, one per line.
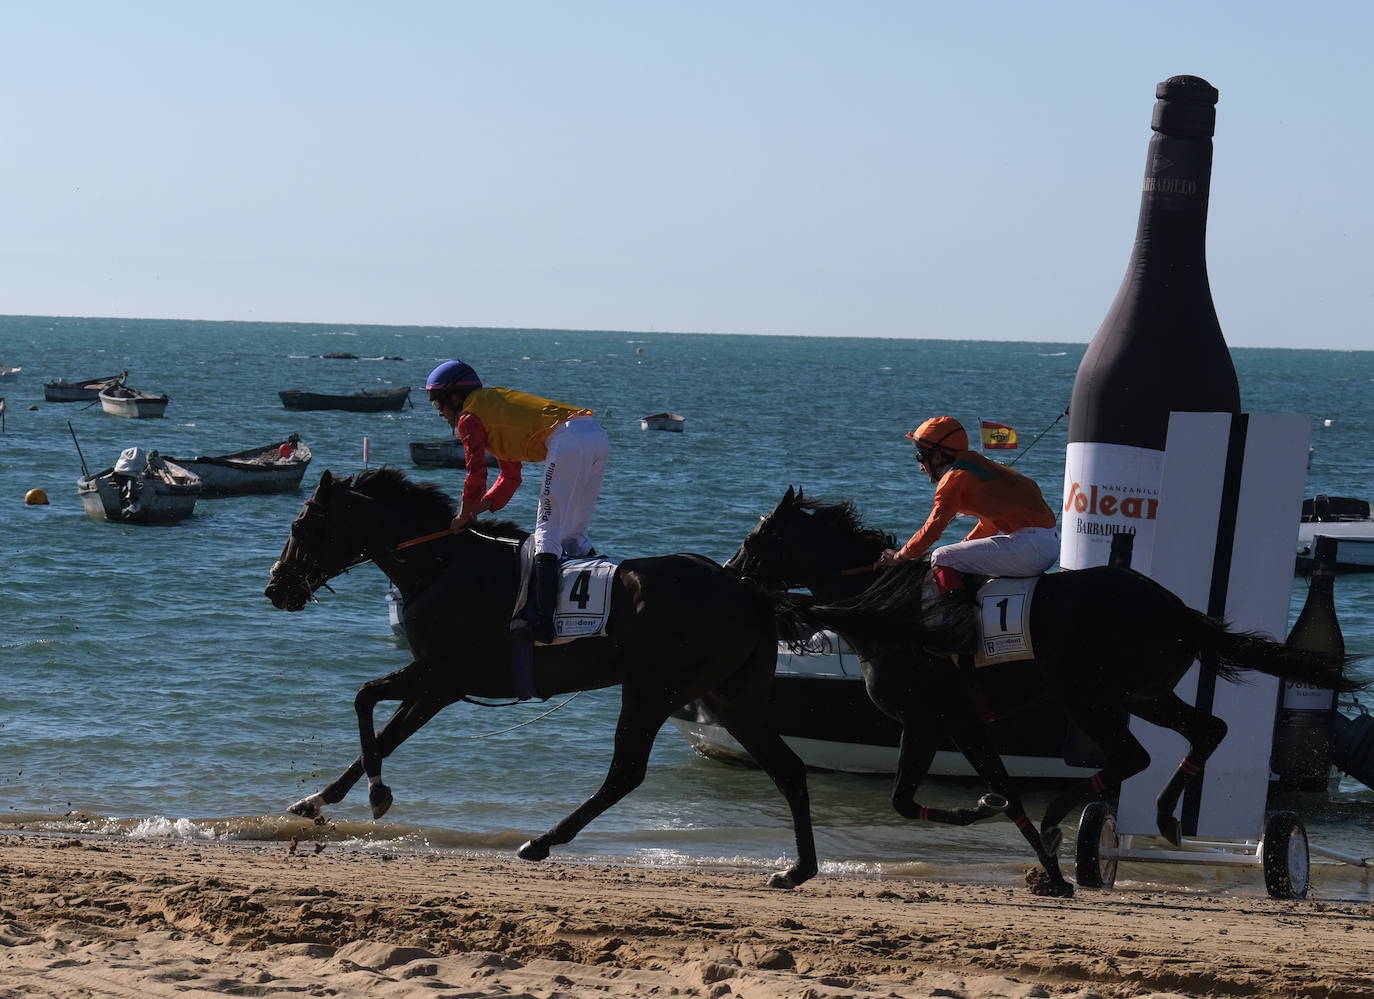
x=1110, y=643
x=680, y=627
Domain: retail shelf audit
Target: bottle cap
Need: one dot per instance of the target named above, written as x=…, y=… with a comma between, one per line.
x=1187, y=105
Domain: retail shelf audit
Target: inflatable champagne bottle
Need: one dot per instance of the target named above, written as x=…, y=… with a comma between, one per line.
x=1160, y=348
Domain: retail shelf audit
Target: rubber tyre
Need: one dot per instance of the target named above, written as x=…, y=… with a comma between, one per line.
x=1096, y=831
x=1283, y=849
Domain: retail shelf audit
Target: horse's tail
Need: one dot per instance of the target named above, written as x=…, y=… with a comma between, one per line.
x=1233, y=652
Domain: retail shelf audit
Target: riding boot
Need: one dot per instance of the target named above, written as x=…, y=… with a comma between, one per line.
x=949, y=619
x=544, y=587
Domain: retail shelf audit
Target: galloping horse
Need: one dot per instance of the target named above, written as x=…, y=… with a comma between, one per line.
x=1109, y=643
x=680, y=628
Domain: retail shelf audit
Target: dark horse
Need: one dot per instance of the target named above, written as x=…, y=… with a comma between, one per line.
x=1109, y=643
x=680, y=628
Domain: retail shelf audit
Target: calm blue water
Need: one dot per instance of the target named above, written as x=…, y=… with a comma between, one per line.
x=149, y=686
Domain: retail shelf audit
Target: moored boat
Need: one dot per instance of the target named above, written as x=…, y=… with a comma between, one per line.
x=83, y=390
x=272, y=468
x=8, y=374
x=445, y=453
x=373, y=401
x=140, y=488
x=823, y=711
x=124, y=400
x=662, y=421
x=1344, y=519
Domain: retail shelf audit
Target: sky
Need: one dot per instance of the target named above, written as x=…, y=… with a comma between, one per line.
x=888, y=169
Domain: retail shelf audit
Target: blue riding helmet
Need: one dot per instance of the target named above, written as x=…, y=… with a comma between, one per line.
x=453, y=374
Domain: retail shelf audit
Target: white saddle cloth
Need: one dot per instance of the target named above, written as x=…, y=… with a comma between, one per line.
x=584, y=595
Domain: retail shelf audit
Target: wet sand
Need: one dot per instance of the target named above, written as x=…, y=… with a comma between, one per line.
x=107, y=917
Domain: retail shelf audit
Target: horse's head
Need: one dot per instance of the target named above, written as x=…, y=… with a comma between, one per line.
x=803, y=542
x=317, y=549
x=765, y=556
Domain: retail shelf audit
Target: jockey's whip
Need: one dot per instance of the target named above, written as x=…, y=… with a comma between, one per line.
x=426, y=537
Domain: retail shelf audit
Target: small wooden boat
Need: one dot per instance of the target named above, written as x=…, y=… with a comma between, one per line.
x=376, y=401
x=81, y=391
x=9, y=374
x=662, y=421
x=140, y=488
x=445, y=453
x=272, y=468
x=124, y=400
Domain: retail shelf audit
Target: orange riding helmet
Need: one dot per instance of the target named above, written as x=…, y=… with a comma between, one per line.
x=943, y=433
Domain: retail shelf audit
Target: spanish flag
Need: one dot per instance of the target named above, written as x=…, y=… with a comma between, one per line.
x=998, y=437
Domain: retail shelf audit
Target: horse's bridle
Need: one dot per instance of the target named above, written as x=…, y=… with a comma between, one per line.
x=305, y=564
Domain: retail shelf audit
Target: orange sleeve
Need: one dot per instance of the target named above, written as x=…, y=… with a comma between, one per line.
x=944, y=509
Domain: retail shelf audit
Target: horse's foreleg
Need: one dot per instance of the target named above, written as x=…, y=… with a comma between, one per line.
x=1204, y=733
x=970, y=735
x=785, y=768
x=403, y=723
x=634, y=739
x=398, y=686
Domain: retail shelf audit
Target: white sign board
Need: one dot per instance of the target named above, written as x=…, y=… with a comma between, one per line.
x=1225, y=542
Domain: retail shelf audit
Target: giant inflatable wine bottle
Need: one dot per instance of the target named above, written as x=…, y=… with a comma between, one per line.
x=1160, y=348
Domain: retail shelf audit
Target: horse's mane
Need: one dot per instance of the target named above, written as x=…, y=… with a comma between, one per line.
x=390, y=485
x=845, y=517
x=425, y=499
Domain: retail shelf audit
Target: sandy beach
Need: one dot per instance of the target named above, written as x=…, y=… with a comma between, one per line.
x=102, y=917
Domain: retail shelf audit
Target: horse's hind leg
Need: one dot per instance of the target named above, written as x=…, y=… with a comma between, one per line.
x=1204, y=733
x=746, y=723
x=1110, y=728
x=634, y=739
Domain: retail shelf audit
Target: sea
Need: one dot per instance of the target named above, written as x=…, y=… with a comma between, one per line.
x=151, y=691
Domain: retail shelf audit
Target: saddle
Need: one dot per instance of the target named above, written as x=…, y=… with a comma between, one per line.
x=989, y=619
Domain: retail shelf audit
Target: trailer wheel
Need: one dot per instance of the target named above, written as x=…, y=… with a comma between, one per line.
x=1284, y=852
x=1096, y=832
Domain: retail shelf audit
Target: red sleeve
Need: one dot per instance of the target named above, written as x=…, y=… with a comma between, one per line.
x=473, y=433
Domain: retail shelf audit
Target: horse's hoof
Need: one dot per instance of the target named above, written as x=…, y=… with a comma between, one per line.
x=1047, y=884
x=379, y=797
x=533, y=850
x=305, y=808
x=992, y=803
x=1052, y=838
x=781, y=880
x=1171, y=830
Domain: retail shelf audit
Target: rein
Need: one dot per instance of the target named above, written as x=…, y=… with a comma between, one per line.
x=507, y=704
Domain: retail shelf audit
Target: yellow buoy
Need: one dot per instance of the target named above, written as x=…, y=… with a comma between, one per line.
x=36, y=497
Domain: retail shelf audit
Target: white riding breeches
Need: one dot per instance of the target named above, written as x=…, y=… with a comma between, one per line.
x=1028, y=552
x=573, y=471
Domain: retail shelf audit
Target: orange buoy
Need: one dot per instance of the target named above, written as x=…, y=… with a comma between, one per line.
x=36, y=497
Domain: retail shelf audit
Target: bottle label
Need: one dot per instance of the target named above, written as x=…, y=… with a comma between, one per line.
x=1306, y=697
x=1108, y=489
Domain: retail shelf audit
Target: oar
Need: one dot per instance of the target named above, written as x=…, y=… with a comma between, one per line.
x=84, y=470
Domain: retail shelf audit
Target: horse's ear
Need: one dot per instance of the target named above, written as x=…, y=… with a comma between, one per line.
x=788, y=496
x=326, y=480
